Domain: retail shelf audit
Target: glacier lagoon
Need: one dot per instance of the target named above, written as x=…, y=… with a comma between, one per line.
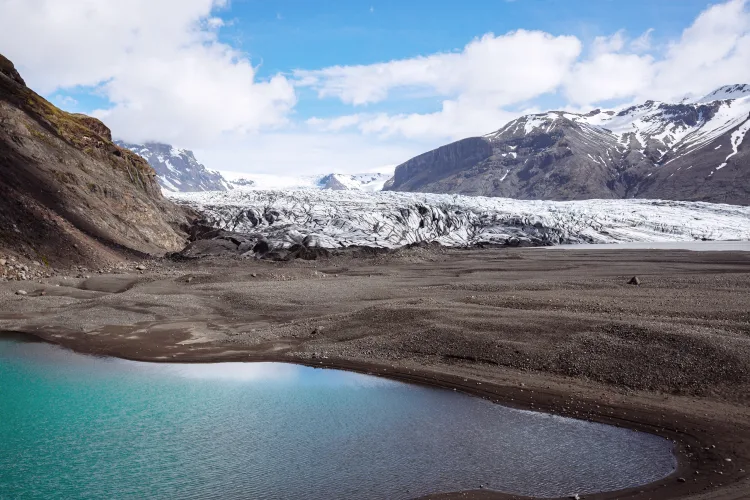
x=76, y=426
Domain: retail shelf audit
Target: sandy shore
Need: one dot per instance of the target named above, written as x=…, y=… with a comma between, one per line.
x=548, y=330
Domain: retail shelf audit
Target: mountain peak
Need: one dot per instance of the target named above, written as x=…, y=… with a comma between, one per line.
x=177, y=169
x=736, y=91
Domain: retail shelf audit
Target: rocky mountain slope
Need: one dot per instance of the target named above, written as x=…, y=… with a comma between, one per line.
x=339, y=219
x=177, y=169
x=68, y=194
x=684, y=151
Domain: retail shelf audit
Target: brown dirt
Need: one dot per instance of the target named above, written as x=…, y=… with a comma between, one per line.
x=550, y=330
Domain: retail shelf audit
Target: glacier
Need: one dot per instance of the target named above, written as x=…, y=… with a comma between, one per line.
x=337, y=219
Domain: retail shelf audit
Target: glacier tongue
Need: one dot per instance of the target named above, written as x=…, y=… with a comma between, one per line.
x=392, y=219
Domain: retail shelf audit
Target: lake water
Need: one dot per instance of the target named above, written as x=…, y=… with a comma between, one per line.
x=74, y=426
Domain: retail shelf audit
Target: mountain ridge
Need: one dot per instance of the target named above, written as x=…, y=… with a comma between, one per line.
x=177, y=169
x=685, y=151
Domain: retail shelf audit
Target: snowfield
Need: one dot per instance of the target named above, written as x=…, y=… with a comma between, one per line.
x=391, y=219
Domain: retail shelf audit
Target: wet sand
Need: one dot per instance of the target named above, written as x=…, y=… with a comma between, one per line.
x=555, y=331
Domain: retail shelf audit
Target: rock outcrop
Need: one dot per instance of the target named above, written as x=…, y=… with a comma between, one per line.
x=68, y=194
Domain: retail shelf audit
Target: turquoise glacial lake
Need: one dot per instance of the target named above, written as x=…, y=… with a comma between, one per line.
x=75, y=426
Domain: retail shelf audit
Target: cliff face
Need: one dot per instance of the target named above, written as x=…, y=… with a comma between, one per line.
x=68, y=194
x=421, y=171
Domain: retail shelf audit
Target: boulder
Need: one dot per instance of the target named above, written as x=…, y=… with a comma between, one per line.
x=262, y=247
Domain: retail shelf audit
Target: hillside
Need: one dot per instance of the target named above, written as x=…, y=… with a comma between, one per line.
x=68, y=194
x=686, y=151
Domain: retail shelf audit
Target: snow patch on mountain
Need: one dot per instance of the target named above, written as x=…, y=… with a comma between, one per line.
x=392, y=219
x=667, y=130
x=726, y=92
x=736, y=139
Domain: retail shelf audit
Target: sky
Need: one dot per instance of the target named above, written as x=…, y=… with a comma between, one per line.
x=298, y=87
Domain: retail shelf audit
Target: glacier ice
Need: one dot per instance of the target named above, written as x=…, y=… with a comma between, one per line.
x=391, y=219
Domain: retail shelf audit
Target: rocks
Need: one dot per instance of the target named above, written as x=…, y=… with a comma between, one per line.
x=311, y=241
x=140, y=267
x=680, y=479
x=3, y=262
x=635, y=280
x=21, y=292
x=262, y=247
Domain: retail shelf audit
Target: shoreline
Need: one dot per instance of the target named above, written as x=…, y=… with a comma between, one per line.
x=695, y=472
x=557, y=332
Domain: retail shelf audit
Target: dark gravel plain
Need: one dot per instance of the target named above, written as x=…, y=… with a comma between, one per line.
x=558, y=331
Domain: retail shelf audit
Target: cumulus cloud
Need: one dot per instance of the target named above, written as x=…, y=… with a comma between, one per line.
x=302, y=151
x=167, y=76
x=489, y=73
x=505, y=69
x=609, y=72
x=493, y=77
x=159, y=63
x=713, y=51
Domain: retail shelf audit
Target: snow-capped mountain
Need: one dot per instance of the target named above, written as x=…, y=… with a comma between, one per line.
x=336, y=182
x=685, y=151
x=389, y=219
x=177, y=170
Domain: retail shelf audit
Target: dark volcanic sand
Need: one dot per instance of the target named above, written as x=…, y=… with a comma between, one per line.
x=550, y=330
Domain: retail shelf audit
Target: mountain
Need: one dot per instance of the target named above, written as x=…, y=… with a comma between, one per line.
x=177, y=169
x=685, y=151
x=336, y=182
x=68, y=194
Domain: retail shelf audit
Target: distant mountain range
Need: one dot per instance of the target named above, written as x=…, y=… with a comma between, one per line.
x=337, y=182
x=679, y=151
x=178, y=171
x=692, y=150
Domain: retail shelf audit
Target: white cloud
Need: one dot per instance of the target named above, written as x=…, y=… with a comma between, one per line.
x=506, y=69
x=306, y=152
x=713, y=51
x=168, y=77
x=158, y=62
x=65, y=101
x=643, y=42
x=489, y=73
x=608, y=72
x=484, y=84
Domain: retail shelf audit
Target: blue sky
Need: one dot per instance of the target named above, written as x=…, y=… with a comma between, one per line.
x=306, y=86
